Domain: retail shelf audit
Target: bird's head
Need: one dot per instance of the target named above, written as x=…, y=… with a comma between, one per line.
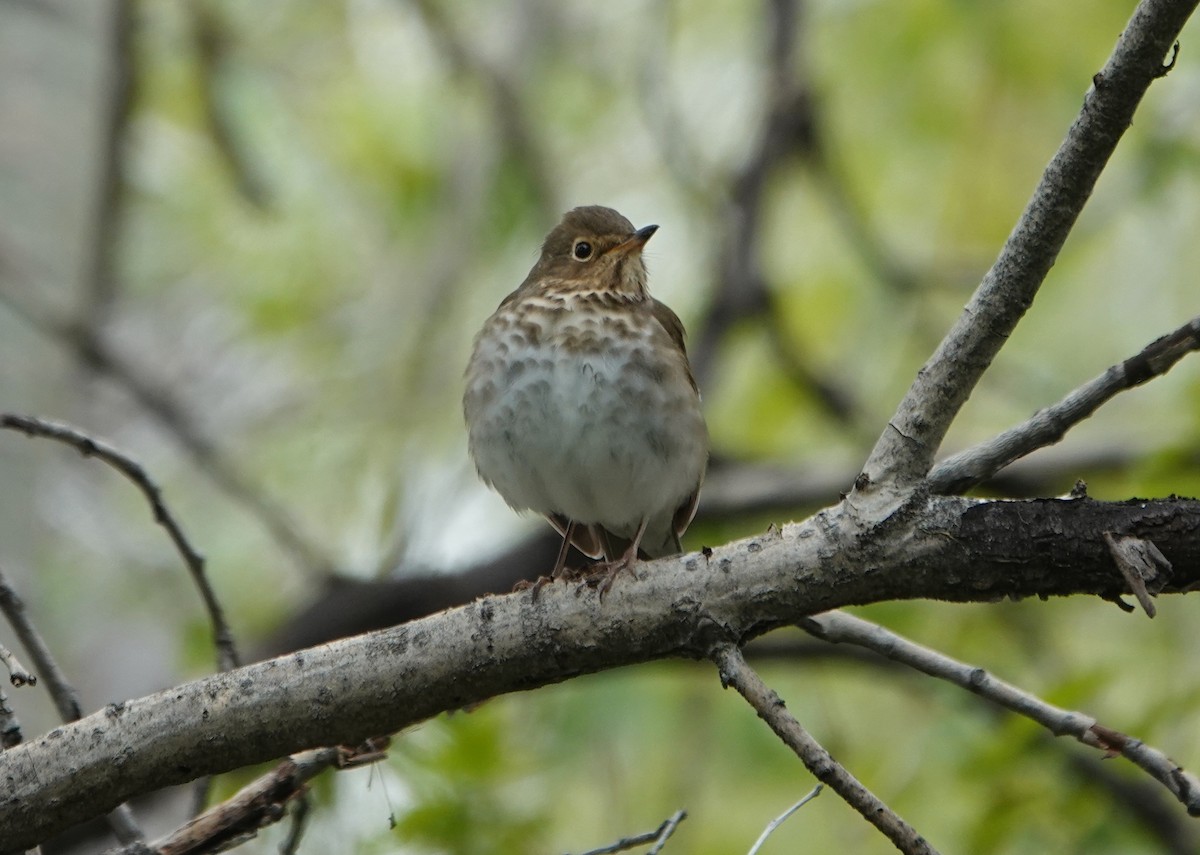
x=595, y=248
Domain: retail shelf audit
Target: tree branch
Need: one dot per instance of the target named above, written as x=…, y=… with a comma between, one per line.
x=211, y=43
x=905, y=450
x=18, y=675
x=88, y=346
x=87, y=446
x=1141, y=797
x=786, y=130
x=947, y=548
x=100, y=286
x=839, y=627
x=514, y=130
x=783, y=817
x=968, y=468
x=66, y=700
x=658, y=837
x=346, y=606
x=255, y=806
x=62, y=693
x=735, y=672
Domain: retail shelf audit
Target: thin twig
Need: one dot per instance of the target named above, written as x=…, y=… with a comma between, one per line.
x=770, y=708
x=227, y=657
x=782, y=818
x=17, y=674
x=66, y=699
x=839, y=626
x=1046, y=427
x=904, y=452
x=658, y=837
x=88, y=346
x=667, y=829
x=124, y=826
x=752, y=489
x=210, y=38
x=1141, y=797
x=301, y=808
x=1159, y=819
x=100, y=283
x=665, y=121
x=515, y=133
x=786, y=130
x=260, y=803
x=463, y=208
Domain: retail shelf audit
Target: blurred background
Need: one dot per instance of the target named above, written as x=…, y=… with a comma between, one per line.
x=250, y=243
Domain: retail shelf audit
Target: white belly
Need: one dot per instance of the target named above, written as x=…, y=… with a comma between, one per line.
x=590, y=436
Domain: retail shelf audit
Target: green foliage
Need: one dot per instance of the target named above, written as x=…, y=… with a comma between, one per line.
x=471, y=788
x=316, y=338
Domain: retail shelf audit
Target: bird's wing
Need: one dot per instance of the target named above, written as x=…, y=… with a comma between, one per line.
x=670, y=322
x=684, y=516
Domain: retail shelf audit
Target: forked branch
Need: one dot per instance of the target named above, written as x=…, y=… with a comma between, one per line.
x=1046, y=427
x=905, y=451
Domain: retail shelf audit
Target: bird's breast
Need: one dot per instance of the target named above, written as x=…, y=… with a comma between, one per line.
x=583, y=412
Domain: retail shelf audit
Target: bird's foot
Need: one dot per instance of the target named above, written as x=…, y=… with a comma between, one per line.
x=567, y=574
x=603, y=575
x=536, y=586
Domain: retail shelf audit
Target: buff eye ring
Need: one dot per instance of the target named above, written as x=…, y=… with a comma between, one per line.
x=582, y=250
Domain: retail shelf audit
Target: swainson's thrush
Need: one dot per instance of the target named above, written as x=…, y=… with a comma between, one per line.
x=580, y=402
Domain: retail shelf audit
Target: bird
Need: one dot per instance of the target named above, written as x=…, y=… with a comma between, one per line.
x=580, y=403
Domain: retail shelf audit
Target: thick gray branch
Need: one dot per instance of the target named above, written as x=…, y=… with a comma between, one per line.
x=905, y=450
x=940, y=548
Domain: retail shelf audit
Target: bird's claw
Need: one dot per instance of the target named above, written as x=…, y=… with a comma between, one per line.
x=603, y=575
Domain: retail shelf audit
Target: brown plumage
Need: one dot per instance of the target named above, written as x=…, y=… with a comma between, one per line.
x=580, y=403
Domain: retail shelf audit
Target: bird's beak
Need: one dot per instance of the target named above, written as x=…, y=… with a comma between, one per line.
x=636, y=241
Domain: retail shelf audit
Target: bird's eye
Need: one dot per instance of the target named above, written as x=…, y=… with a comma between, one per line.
x=582, y=250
